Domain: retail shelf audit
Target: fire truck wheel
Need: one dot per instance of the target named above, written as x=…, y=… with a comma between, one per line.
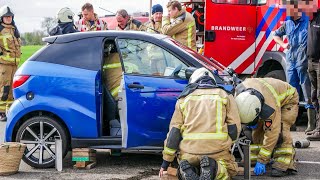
x=277, y=74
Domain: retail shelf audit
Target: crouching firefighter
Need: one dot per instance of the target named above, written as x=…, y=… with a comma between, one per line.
x=269, y=107
x=202, y=128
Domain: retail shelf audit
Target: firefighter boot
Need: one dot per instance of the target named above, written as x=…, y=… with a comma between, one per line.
x=187, y=171
x=208, y=168
x=278, y=173
x=3, y=117
x=315, y=136
x=311, y=120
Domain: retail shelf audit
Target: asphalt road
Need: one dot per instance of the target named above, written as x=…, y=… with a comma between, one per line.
x=145, y=166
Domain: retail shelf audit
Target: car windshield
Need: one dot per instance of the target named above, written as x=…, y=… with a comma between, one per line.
x=208, y=63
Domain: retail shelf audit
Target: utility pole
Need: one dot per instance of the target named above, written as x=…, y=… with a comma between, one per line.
x=150, y=8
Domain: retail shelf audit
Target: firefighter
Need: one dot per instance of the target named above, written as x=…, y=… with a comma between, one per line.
x=154, y=25
x=296, y=29
x=127, y=23
x=65, y=23
x=313, y=54
x=90, y=20
x=9, y=57
x=269, y=107
x=112, y=70
x=180, y=25
x=202, y=128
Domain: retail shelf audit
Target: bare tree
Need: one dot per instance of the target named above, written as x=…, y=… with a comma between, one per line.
x=48, y=23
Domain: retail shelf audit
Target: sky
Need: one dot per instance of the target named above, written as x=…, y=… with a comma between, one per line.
x=30, y=13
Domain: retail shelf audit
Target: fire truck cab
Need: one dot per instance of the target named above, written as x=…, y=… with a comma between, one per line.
x=239, y=34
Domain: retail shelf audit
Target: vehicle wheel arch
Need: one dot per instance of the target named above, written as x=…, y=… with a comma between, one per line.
x=41, y=113
x=271, y=61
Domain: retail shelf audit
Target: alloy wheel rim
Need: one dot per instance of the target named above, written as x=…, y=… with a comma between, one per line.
x=39, y=138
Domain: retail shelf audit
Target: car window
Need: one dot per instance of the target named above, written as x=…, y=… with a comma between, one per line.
x=141, y=57
x=84, y=53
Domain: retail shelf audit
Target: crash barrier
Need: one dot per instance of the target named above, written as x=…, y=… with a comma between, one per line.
x=302, y=143
x=58, y=148
x=10, y=157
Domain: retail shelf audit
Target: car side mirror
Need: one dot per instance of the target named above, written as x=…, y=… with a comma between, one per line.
x=189, y=71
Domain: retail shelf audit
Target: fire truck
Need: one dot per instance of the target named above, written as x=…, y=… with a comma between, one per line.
x=239, y=34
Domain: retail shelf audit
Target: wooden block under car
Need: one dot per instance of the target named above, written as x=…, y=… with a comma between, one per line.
x=85, y=158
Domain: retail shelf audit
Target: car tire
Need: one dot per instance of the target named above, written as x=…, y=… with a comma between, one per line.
x=277, y=74
x=41, y=141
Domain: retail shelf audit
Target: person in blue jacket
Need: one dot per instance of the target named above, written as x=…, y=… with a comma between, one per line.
x=296, y=30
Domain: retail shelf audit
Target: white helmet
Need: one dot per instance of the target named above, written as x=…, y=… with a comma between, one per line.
x=6, y=11
x=65, y=15
x=249, y=106
x=197, y=74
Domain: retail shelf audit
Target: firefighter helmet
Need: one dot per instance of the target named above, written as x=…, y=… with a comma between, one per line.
x=6, y=11
x=197, y=74
x=249, y=106
x=65, y=15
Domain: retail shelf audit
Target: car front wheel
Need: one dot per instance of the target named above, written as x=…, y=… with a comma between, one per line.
x=39, y=134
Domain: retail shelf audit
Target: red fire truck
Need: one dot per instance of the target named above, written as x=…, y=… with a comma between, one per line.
x=239, y=34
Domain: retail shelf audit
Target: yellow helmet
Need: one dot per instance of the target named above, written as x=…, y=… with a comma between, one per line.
x=199, y=73
x=65, y=15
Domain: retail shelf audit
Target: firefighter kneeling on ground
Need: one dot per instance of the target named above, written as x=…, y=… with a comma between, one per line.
x=269, y=107
x=202, y=128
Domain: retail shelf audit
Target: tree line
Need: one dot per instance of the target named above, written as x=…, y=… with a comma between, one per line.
x=35, y=37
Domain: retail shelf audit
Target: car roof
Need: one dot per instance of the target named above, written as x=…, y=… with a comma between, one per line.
x=109, y=33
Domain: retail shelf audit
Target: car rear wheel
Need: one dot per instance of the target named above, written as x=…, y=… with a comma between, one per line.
x=39, y=134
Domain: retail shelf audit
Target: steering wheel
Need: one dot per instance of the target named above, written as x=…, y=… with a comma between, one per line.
x=176, y=70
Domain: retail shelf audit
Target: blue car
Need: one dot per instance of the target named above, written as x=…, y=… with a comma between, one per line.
x=60, y=92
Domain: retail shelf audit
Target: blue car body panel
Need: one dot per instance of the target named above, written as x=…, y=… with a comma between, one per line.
x=149, y=110
x=70, y=93
x=74, y=94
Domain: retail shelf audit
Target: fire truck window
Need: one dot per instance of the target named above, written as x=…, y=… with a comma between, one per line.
x=141, y=57
x=231, y=1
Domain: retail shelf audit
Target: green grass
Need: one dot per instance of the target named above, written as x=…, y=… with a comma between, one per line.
x=27, y=51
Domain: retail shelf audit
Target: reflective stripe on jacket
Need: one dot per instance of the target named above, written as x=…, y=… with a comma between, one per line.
x=9, y=45
x=276, y=94
x=183, y=29
x=202, y=118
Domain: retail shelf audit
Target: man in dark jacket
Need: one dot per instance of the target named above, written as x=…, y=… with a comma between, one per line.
x=65, y=23
x=313, y=54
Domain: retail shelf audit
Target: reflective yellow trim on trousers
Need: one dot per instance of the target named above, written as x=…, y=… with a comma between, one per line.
x=264, y=152
x=284, y=151
x=204, y=136
x=3, y=107
x=169, y=151
x=281, y=97
x=114, y=91
x=112, y=66
x=223, y=174
x=285, y=160
x=255, y=147
x=190, y=26
x=253, y=157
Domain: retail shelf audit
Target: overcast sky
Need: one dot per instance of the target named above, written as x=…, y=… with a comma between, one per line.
x=30, y=13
